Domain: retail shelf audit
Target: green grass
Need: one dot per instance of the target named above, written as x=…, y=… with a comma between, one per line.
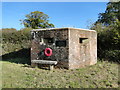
x=102, y=75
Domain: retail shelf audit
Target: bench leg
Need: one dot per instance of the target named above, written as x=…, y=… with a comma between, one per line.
x=51, y=67
x=33, y=65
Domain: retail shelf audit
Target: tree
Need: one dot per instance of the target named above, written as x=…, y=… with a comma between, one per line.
x=109, y=23
x=36, y=20
x=108, y=29
x=111, y=15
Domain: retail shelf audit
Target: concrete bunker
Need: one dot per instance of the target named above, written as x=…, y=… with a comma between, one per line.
x=69, y=48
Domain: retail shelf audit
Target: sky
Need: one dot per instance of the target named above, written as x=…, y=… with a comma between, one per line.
x=62, y=14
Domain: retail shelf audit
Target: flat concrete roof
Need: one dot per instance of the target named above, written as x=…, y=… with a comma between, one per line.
x=69, y=28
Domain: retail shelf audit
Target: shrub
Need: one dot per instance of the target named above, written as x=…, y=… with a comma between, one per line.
x=13, y=41
x=110, y=55
x=108, y=41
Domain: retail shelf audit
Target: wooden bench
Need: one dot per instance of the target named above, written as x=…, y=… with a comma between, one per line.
x=51, y=63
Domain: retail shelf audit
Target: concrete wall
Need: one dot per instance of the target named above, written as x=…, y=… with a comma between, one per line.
x=82, y=48
x=93, y=49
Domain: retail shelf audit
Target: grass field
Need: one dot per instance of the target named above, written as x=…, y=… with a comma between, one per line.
x=102, y=75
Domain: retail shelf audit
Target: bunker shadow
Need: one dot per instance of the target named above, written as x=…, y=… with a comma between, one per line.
x=22, y=56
